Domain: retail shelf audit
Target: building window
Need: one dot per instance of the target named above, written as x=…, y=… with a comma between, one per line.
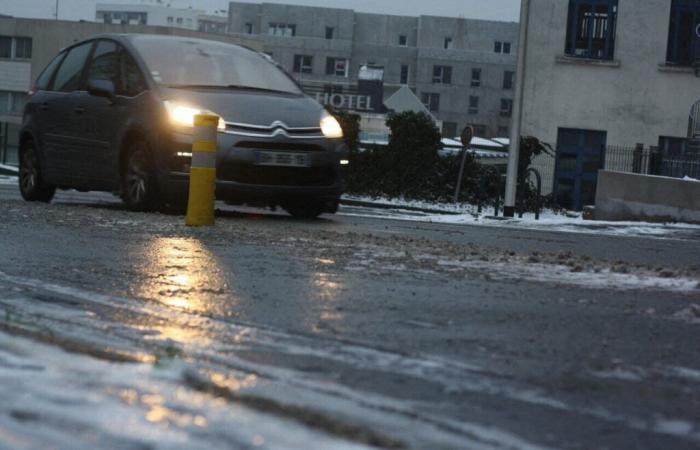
x=479, y=130
x=5, y=102
x=476, y=78
x=303, y=64
x=508, y=77
x=431, y=101
x=404, y=74
x=591, y=29
x=282, y=29
x=23, y=48
x=249, y=28
x=502, y=47
x=337, y=67
x=179, y=21
x=442, y=75
x=503, y=132
x=449, y=129
x=15, y=47
x=403, y=40
x=506, y=107
x=170, y=19
x=473, y=104
x=684, y=33
x=5, y=47
x=449, y=43
x=330, y=31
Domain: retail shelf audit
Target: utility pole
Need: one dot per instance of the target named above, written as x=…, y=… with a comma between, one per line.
x=56, y=9
x=515, y=129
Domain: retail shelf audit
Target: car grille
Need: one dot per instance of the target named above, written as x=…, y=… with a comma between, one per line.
x=276, y=128
x=277, y=176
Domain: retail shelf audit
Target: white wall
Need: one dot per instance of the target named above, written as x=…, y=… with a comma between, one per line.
x=635, y=98
x=16, y=76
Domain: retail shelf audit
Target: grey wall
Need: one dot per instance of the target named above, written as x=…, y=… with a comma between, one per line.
x=626, y=196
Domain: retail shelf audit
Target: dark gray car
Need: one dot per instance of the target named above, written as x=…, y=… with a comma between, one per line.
x=115, y=113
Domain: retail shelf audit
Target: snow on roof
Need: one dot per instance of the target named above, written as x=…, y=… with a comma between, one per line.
x=371, y=73
x=447, y=142
x=503, y=141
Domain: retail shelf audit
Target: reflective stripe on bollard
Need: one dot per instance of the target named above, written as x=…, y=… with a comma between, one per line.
x=200, y=203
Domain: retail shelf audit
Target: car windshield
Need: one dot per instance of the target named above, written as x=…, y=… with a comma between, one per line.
x=190, y=62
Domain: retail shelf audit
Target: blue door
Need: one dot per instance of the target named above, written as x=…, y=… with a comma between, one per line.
x=580, y=155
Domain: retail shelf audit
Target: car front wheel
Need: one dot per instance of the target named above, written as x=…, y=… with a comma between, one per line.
x=139, y=186
x=31, y=184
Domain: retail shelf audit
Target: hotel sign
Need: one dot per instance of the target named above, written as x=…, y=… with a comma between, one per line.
x=346, y=101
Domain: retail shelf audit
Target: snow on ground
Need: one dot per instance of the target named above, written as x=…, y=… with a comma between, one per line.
x=8, y=180
x=75, y=401
x=466, y=214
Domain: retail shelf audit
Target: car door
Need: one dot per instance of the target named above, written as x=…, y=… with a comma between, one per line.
x=61, y=159
x=100, y=118
x=107, y=119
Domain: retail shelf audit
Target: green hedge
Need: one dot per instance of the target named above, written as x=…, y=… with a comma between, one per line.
x=410, y=166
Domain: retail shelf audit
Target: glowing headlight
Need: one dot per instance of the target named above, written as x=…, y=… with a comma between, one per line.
x=330, y=127
x=183, y=115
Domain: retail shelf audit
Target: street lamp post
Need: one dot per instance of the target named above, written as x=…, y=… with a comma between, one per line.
x=56, y=9
x=512, y=173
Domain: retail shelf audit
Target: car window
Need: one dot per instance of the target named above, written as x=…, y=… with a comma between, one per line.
x=188, y=61
x=44, y=79
x=68, y=75
x=105, y=64
x=134, y=82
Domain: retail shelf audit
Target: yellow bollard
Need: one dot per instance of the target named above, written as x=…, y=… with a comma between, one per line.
x=200, y=203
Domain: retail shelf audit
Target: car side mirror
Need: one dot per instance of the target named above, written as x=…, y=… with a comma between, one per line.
x=101, y=88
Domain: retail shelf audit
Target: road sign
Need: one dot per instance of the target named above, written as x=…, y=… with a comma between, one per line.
x=467, y=135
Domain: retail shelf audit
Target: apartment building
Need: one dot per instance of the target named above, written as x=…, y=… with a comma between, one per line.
x=152, y=13
x=462, y=69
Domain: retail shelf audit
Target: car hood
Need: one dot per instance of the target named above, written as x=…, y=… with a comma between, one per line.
x=251, y=107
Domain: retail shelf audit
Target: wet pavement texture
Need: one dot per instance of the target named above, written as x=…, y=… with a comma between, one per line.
x=130, y=330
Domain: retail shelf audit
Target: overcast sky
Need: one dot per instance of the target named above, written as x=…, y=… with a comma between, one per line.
x=506, y=10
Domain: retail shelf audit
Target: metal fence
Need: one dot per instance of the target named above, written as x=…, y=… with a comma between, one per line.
x=573, y=177
x=652, y=161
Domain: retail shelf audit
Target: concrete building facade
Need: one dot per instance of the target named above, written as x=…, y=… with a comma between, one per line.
x=461, y=69
x=154, y=14
x=28, y=45
x=608, y=73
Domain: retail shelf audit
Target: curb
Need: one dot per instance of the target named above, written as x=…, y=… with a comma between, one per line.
x=390, y=206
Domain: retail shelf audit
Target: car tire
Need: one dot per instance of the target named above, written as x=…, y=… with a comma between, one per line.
x=31, y=184
x=305, y=210
x=139, y=188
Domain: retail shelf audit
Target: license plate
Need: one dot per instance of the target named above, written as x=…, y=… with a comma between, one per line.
x=284, y=159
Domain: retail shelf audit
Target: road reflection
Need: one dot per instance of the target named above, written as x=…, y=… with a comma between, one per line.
x=184, y=274
x=326, y=288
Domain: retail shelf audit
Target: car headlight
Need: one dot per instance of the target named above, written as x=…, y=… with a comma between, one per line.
x=330, y=127
x=182, y=115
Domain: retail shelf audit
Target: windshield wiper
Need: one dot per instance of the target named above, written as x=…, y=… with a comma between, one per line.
x=229, y=86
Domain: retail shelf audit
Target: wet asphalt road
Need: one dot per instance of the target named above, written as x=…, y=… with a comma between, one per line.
x=399, y=334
